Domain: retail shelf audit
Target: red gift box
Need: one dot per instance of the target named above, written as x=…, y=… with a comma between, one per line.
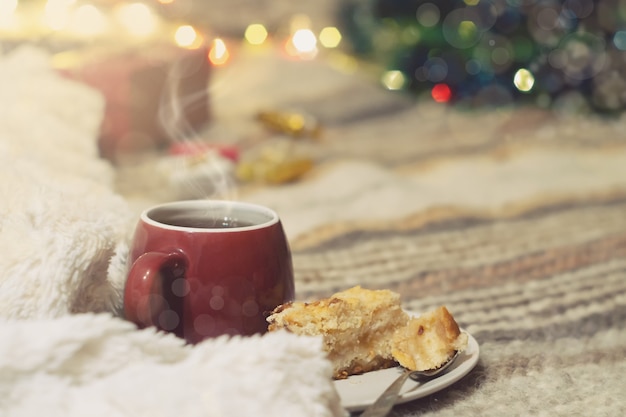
x=154, y=95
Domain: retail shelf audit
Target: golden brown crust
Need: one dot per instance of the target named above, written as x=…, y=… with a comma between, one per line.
x=365, y=330
x=428, y=341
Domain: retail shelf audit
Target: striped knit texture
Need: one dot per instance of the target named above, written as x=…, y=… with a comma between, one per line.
x=544, y=294
x=539, y=281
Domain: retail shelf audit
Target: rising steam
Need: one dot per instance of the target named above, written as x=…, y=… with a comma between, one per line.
x=183, y=109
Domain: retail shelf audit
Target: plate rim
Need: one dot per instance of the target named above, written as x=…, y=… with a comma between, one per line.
x=473, y=354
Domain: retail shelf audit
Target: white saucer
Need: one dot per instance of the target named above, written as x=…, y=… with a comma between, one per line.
x=357, y=392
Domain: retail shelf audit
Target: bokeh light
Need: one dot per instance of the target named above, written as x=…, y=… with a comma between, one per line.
x=57, y=13
x=304, y=40
x=218, y=54
x=490, y=51
x=428, y=14
x=137, y=18
x=434, y=70
x=458, y=31
x=441, y=93
x=256, y=34
x=523, y=80
x=330, y=37
x=393, y=80
x=547, y=25
x=185, y=36
x=619, y=40
x=88, y=20
x=548, y=18
x=302, y=44
x=501, y=52
x=579, y=56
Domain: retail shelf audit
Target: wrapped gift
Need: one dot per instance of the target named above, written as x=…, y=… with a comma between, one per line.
x=154, y=94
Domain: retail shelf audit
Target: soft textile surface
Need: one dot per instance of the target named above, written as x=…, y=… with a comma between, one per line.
x=93, y=365
x=513, y=218
x=63, y=228
x=64, y=239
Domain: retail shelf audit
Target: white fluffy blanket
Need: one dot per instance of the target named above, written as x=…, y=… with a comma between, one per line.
x=93, y=365
x=63, y=239
x=63, y=228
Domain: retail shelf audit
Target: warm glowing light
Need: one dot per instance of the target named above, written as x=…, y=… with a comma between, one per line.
x=393, y=80
x=185, y=36
x=88, y=20
x=304, y=40
x=330, y=37
x=524, y=80
x=303, y=44
x=441, y=93
x=7, y=12
x=57, y=13
x=166, y=1
x=218, y=54
x=137, y=18
x=255, y=34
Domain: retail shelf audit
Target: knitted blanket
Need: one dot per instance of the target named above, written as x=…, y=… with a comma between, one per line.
x=525, y=245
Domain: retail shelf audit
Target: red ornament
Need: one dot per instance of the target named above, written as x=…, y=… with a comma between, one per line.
x=441, y=93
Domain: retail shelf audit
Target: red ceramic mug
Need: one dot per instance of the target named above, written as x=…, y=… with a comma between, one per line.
x=205, y=268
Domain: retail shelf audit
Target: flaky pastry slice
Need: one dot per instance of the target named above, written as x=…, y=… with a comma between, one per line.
x=364, y=330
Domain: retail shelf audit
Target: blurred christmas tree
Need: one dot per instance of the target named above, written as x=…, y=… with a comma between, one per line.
x=561, y=54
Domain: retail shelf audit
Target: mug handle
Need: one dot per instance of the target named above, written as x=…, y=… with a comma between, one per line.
x=143, y=294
